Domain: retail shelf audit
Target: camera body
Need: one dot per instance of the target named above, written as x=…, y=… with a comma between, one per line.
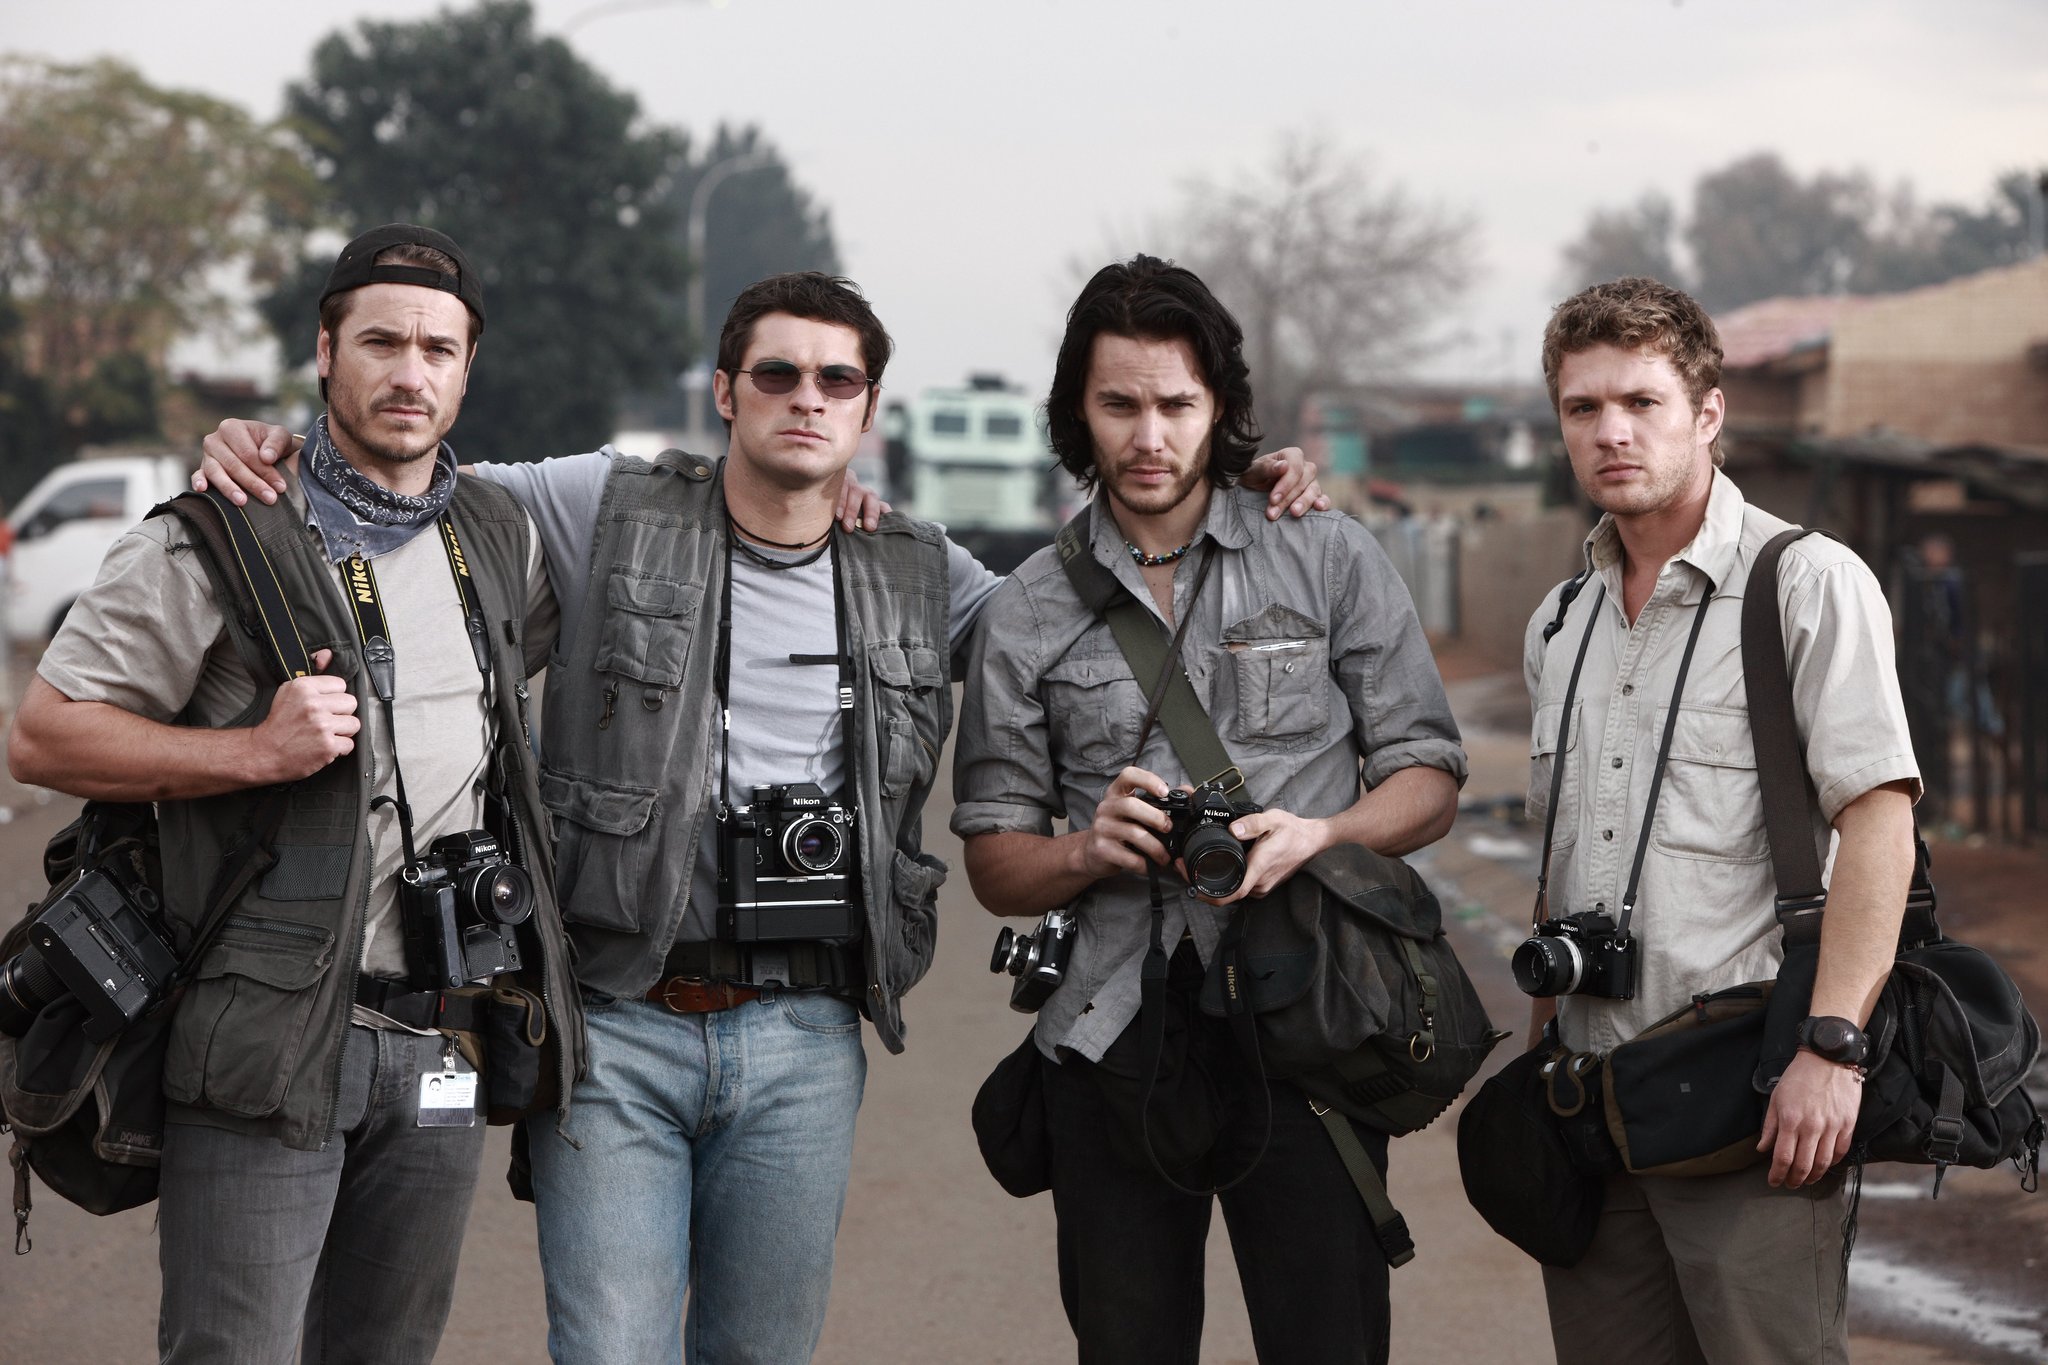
x=461, y=906
x=1038, y=961
x=786, y=868
x=103, y=942
x=1582, y=954
x=1201, y=837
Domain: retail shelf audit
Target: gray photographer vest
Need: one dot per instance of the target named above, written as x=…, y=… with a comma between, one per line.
x=256, y=1041
x=631, y=729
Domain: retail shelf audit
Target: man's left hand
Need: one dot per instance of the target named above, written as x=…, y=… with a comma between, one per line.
x=1811, y=1117
x=1291, y=481
x=860, y=507
x=1280, y=842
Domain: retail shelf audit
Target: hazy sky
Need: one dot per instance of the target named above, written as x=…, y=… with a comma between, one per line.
x=970, y=152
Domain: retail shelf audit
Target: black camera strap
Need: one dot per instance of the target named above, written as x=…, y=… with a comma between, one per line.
x=380, y=660
x=841, y=658
x=1564, y=729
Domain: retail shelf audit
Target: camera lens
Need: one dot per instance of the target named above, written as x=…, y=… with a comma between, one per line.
x=814, y=845
x=26, y=985
x=499, y=893
x=1215, y=860
x=1548, y=964
x=1006, y=942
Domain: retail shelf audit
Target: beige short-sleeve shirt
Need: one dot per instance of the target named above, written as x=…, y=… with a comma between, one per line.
x=1704, y=913
x=148, y=637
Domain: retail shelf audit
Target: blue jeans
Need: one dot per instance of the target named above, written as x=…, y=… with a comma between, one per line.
x=347, y=1253
x=728, y=1134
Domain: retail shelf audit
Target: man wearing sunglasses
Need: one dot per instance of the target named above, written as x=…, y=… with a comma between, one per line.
x=722, y=637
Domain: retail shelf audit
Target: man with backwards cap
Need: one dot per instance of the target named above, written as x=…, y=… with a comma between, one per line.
x=325, y=1129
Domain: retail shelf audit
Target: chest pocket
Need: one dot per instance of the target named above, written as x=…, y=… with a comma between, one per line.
x=907, y=677
x=1281, y=661
x=1543, y=760
x=1094, y=707
x=1712, y=804
x=648, y=622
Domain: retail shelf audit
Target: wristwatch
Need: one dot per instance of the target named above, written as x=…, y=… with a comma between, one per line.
x=1834, y=1039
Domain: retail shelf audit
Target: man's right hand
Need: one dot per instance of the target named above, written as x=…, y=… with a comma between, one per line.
x=312, y=722
x=237, y=458
x=1126, y=830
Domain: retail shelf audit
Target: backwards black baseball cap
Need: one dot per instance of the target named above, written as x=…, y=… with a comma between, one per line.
x=356, y=266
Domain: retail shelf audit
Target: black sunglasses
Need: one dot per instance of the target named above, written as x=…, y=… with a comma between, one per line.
x=778, y=377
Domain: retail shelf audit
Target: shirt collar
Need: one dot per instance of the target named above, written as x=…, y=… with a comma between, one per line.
x=1226, y=523
x=1713, y=550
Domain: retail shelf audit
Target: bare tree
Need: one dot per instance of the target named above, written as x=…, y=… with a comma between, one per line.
x=1338, y=278
x=1637, y=240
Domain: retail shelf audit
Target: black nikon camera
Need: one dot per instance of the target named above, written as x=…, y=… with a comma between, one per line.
x=786, y=864
x=1582, y=954
x=461, y=906
x=1201, y=837
x=104, y=943
x=1038, y=961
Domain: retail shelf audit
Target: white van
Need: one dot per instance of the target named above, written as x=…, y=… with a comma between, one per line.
x=65, y=525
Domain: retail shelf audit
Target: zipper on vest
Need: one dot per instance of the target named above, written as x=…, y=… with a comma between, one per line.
x=611, y=701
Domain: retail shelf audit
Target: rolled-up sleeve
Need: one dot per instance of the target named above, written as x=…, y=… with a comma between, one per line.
x=1003, y=777
x=1845, y=681
x=1383, y=662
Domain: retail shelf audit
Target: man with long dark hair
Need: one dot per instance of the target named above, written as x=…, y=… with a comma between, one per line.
x=1306, y=652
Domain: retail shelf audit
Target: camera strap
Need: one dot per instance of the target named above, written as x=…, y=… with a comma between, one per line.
x=1564, y=724
x=721, y=677
x=380, y=660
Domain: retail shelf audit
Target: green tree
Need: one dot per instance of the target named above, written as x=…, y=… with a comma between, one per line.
x=1758, y=231
x=757, y=222
x=31, y=435
x=123, y=209
x=1637, y=240
x=1337, y=279
x=473, y=123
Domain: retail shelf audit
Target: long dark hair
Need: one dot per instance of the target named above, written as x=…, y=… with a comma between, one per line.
x=1154, y=300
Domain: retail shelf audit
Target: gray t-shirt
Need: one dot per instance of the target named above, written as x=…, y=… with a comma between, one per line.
x=148, y=637
x=786, y=721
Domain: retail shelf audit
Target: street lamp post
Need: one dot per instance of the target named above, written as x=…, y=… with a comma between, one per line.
x=700, y=200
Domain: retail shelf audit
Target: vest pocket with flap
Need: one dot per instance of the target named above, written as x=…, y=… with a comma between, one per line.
x=241, y=1023
x=1281, y=660
x=598, y=825
x=648, y=622
x=907, y=675
x=907, y=953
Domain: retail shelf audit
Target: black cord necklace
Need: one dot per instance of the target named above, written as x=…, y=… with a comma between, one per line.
x=776, y=544
x=744, y=540
x=1154, y=561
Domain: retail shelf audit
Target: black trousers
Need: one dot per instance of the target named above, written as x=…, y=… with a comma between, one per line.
x=1131, y=1246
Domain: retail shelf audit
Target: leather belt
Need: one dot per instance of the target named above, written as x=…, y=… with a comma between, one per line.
x=693, y=995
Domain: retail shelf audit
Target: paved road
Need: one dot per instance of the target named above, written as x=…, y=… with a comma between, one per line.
x=936, y=1266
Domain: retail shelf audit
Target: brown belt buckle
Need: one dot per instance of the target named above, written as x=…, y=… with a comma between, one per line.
x=693, y=995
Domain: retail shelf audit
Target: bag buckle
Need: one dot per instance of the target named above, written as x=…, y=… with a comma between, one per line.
x=1235, y=775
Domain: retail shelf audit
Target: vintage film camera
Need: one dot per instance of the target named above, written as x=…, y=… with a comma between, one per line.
x=1038, y=961
x=1582, y=954
x=103, y=942
x=1201, y=837
x=786, y=863
x=461, y=906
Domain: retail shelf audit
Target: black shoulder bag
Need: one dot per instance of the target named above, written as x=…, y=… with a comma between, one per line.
x=1951, y=1040
x=86, y=1108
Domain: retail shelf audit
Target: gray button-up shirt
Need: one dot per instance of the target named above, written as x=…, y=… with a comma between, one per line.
x=1304, y=648
x=1704, y=916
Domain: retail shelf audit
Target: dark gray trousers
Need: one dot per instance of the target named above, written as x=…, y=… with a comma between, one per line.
x=349, y=1252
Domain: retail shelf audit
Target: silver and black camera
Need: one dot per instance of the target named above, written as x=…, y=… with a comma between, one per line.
x=102, y=942
x=1038, y=961
x=1582, y=954
x=786, y=864
x=461, y=906
x=1201, y=837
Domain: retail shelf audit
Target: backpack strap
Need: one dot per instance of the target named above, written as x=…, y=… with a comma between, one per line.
x=242, y=572
x=1389, y=1228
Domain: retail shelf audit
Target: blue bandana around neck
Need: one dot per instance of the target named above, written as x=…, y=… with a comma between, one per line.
x=357, y=515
